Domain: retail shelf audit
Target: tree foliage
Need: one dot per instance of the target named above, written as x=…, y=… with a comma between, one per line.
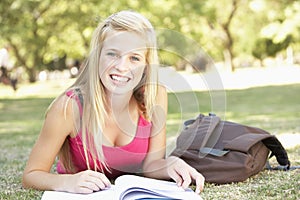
x=281, y=31
x=43, y=31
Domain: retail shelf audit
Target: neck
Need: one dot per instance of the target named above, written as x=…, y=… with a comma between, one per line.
x=120, y=103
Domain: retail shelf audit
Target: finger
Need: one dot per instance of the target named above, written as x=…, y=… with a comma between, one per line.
x=100, y=179
x=105, y=180
x=185, y=175
x=200, y=184
x=99, y=184
x=176, y=177
x=89, y=186
x=199, y=180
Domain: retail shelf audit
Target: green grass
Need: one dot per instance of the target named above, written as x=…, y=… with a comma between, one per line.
x=274, y=108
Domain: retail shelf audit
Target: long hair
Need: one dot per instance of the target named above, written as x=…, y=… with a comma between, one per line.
x=95, y=107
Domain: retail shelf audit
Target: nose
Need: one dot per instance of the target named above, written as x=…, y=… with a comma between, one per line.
x=123, y=63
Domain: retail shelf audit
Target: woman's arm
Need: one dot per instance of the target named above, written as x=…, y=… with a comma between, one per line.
x=57, y=126
x=155, y=164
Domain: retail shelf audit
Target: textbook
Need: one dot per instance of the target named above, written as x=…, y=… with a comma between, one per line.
x=129, y=187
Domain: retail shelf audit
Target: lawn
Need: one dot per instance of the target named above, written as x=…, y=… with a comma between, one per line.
x=274, y=108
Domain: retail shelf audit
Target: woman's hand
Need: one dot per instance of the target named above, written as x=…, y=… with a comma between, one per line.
x=87, y=182
x=183, y=174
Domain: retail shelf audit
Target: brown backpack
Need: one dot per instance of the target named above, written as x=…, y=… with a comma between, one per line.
x=226, y=152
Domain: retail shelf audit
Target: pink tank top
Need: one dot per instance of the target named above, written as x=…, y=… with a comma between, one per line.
x=120, y=160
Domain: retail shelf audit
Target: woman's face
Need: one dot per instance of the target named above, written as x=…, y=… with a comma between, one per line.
x=122, y=61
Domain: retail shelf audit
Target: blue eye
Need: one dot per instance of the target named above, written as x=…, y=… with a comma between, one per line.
x=135, y=58
x=112, y=54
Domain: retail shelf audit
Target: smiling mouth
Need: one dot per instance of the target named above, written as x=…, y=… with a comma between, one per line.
x=118, y=78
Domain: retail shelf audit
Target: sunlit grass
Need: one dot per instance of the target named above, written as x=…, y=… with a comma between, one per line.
x=274, y=108
x=39, y=89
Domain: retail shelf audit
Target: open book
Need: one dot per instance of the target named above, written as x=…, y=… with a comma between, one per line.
x=128, y=187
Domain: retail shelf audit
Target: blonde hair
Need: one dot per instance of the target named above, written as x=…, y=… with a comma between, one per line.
x=94, y=104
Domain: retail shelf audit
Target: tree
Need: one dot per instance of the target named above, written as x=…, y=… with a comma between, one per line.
x=281, y=30
x=267, y=48
x=220, y=19
x=41, y=31
x=23, y=21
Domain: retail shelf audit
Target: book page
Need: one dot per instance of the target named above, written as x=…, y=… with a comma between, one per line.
x=135, y=187
x=104, y=194
x=128, y=187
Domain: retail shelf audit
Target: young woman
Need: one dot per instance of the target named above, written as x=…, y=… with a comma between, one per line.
x=111, y=121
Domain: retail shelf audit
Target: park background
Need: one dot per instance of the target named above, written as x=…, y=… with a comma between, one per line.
x=249, y=48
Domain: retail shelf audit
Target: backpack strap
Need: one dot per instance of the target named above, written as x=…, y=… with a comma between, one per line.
x=213, y=152
x=77, y=96
x=280, y=153
x=277, y=150
x=79, y=99
x=205, y=124
x=281, y=167
x=208, y=125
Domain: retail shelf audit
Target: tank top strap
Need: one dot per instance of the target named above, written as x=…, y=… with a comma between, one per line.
x=76, y=94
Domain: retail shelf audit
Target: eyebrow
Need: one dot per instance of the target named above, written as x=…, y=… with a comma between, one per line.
x=111, y=49
x=135, y=52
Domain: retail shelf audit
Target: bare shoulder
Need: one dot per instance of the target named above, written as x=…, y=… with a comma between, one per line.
x=61, y=105
x=61, y=113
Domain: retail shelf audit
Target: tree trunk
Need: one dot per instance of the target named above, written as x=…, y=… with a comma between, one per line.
x=228, y=60
x=228, y=43
x=32, y=75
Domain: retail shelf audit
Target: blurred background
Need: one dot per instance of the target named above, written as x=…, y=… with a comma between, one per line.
x=49, y=39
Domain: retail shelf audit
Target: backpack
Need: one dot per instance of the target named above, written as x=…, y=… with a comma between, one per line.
x=226, y=152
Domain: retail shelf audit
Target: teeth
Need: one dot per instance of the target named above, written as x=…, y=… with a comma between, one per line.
x=119, y=78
